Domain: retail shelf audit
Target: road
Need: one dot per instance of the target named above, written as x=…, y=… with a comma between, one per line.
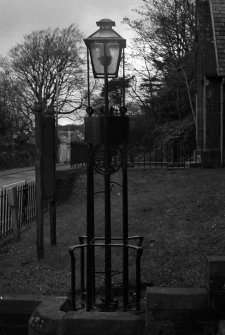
x=13, y=177
x=16, y=176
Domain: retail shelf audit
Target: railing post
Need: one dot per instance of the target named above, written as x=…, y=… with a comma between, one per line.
x=24, y=202
x=73, y=283
x=81, y=239
x=138, y=278
x=13, y=203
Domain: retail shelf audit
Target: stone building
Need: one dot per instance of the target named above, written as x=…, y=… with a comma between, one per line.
x=64, y=147
x=210, y=81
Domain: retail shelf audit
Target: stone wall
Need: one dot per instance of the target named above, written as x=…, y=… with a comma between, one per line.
x=205, y=61
x=209, y=112
x=195, y=311
x=212, y=124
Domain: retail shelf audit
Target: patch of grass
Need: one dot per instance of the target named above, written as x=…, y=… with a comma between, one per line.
x=180, y=213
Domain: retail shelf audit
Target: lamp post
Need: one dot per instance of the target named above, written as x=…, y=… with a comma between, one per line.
x=105, y=48
x=106, y=135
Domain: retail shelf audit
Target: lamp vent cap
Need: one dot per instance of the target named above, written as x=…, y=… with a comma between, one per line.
x=105, y=24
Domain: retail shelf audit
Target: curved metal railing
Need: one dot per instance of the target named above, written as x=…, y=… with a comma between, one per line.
x=82, y=246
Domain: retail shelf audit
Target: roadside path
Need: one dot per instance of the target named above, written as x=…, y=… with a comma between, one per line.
x=20, y=175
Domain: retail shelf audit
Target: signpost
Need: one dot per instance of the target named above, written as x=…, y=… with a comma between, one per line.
x=39, y=180
x=49, y=163
x=45, y=173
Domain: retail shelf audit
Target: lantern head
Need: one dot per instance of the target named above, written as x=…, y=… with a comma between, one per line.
x=105, y=47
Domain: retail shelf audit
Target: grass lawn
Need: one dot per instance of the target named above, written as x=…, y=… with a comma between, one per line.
x=180, y=213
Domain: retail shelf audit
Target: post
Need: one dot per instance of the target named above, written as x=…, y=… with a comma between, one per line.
x=90, y=231
x=13, y=150
x=123, y=96
x=81, y=240
x=125, y=231
x=138, y=278
x=13, y=203
x=56, y=119
x=108, y=285
x=52, y=202
x=73, y=280
x=39, y=181
x=52, y=208
x=107, y=158
x=99, y=133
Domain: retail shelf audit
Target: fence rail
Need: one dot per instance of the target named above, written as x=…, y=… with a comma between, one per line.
x=161, y=156
x=26, y=208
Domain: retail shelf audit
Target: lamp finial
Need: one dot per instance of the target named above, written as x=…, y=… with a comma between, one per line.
x=105, y=24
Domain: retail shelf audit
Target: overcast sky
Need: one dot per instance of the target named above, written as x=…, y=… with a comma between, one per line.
x=20, y=17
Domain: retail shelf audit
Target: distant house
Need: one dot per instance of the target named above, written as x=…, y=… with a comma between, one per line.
x=210, y=81
x=64, y=147
x=65, y=139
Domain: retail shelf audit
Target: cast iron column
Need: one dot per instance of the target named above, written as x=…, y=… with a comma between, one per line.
x=90, y=218
x=107, y=194
x=90, y=229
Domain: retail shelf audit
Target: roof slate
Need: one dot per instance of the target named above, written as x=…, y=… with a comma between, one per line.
x=218, y=17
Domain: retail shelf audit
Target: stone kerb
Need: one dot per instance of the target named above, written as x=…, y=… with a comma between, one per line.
x=18, y=304
x=215, y=282
x=104, y=323
x=221, y=328
x=168, y=311
x=215, y=272
x=178, y=310
x=47, y=317
x=50, y=319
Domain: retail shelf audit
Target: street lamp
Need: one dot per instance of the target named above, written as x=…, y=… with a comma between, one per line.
x=106, y=135
x=105, y=48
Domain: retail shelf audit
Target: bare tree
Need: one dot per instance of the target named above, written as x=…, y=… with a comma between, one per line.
x=164, y=45
x=49, y=67
x=15, y=112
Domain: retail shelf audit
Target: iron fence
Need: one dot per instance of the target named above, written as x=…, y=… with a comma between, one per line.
x=172, y=155
x=176, y=155
x=26, y=208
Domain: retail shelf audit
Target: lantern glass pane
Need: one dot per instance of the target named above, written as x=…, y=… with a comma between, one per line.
x=113, y=53
x=97, y=55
